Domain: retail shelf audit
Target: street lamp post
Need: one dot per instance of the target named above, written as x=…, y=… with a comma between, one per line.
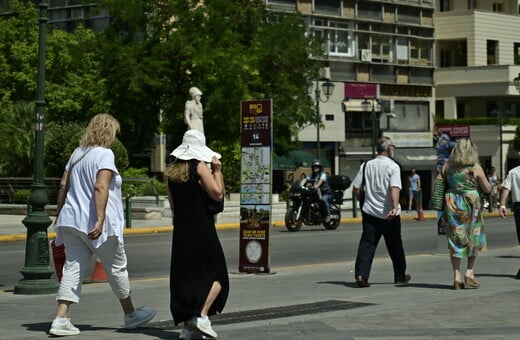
x=365, y=106
x=37, y=271
x=501, y=122
x=328, y=89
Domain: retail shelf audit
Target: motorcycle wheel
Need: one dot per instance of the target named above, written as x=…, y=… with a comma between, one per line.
x=334, y=223
x=291, y=223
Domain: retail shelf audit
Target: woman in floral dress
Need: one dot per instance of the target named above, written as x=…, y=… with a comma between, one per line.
x=463, y=209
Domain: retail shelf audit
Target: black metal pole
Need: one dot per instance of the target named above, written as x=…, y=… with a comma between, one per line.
x=37, y=271
x=318, y=118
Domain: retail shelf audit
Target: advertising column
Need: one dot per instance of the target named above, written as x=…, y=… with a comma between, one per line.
x=255, y=188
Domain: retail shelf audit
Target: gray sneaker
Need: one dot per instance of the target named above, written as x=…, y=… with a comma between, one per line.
x=63, y=329
x=191, y=334
x=204, y=326
x=141, y=317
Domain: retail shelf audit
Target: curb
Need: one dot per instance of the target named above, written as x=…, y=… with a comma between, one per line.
x=222, y=226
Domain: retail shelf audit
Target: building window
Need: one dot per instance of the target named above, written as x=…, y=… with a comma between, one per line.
x=445, y=5
x=472, y=4
x=282, y=4
x=439, y=108
x=497, y=7
x=492, y=52
x=516, y=53
x=331, y=7
x=340, y=40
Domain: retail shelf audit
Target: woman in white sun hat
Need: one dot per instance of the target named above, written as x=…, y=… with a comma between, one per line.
x=199, y=283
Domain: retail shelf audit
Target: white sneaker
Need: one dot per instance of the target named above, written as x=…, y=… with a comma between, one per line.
x=63, y=329
x=139, y=317
x=204, y=326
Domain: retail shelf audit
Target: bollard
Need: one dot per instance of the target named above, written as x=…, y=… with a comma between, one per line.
x=420, y=213
x=128, y=212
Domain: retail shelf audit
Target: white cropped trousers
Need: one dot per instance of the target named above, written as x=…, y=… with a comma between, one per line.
x=79, y=252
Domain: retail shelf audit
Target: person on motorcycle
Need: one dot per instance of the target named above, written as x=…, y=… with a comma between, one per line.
x=319, y=180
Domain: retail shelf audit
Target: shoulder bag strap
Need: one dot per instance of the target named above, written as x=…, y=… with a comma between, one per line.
x=363, y=180
x=79, y=159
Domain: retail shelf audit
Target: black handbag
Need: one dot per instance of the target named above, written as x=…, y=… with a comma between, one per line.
x=214, y=207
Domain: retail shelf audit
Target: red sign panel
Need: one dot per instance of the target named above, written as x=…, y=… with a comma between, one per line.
x=361, y=91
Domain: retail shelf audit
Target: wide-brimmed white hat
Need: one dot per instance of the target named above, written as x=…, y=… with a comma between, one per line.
x=194, y=147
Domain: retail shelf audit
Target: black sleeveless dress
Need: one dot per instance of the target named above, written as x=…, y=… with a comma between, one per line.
x=197, y=257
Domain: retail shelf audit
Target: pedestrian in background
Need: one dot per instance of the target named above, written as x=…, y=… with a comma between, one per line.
x=199, y=283
x=380, y=181
x=463, y=209
x=90, y=222
x=512, y=184
x=493, y=180
x=414, y=186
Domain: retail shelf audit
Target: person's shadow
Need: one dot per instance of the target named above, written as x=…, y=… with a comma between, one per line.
x=150, y=330
x=353, y=284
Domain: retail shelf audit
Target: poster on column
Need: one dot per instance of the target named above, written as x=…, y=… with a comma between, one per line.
x=445, y=138
x=255, y=188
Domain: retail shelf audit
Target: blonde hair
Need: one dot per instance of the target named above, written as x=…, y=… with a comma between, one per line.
x=463, y=154
x=101, y=131
x=178, y=171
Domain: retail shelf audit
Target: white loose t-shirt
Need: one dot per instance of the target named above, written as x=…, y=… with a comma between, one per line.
x=79, y=210
x=512, y=183
x=381, y=174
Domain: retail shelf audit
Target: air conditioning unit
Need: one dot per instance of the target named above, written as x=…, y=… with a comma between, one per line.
x=366, y=55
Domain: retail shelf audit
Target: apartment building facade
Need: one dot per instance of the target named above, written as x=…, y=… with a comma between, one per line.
x=409, y=60
x=68, y=14
x=380, y=53
x=478, y=57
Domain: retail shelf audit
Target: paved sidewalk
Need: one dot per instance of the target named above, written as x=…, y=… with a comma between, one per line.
x=303, y=302
x=308, y=302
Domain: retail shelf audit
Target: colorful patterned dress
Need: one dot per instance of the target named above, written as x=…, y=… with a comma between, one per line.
x=463, y=213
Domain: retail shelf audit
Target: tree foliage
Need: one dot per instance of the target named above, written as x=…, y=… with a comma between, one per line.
x=231, y=50
x=142, y=65
x=74, y=86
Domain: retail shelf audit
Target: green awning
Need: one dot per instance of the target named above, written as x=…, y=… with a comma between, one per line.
x=283, y=163
x=304, y=159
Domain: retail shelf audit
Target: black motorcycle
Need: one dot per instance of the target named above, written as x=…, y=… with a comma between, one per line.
x=305, y=205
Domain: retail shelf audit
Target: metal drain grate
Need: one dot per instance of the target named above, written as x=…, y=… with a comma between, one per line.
x=273, y=313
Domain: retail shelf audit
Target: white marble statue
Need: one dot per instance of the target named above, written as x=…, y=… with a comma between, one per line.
x=193, y=116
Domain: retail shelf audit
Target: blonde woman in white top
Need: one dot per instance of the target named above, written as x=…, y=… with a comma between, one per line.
x=90, y=223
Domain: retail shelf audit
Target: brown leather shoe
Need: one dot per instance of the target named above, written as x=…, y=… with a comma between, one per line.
x=362, y=282
x=471, y=282
x=406, y=279
x=458, y=285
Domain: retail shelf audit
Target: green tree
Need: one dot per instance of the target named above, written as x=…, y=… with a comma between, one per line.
x=17, y=140
x=74, y=87
x=231, y=50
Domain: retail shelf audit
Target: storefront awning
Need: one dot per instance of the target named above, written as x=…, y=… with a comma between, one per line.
x=283, y=163
x=417, y=158
x=296, y=159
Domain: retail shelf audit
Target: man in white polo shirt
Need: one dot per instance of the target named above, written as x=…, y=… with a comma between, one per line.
x=512, y=183
x=380, y=180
